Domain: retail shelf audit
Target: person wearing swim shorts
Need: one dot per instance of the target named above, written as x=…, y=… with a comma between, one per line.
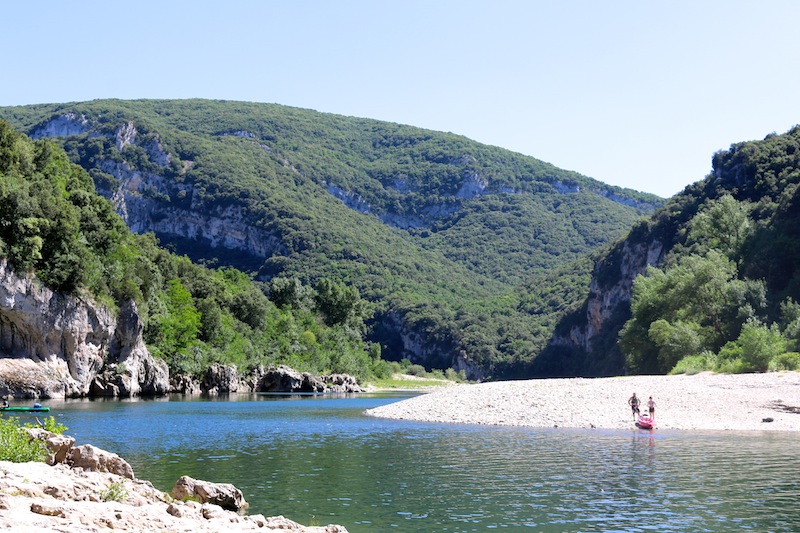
x=633, y=401
x=651, y=408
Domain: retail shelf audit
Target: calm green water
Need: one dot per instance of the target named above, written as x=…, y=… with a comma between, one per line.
x=319, y=460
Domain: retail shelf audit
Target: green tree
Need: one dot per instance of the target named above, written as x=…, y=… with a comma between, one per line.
x=675, y=341
x=759, y=345
x=178, y=327
x=698, y=305
x=340, y=305
x=723, y=224
x=291, y=292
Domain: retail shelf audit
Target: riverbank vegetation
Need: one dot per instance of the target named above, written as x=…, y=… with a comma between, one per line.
x=17, y=446
x=406, y=375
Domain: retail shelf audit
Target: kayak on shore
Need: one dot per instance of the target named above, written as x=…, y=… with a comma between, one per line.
x=645, y=422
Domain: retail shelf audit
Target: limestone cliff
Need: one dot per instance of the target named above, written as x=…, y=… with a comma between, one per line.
x=56, y=346
x=585, y=343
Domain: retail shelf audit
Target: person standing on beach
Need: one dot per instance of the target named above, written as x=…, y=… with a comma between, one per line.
x=633, y=401
x=651, y=407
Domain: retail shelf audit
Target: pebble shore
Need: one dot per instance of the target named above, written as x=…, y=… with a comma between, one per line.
x=705, y=401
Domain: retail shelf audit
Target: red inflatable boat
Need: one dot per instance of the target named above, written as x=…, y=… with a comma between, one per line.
x=645, y=422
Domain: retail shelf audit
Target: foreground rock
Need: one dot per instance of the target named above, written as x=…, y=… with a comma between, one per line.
x=743, y=402
x=95, y=490
x=38, y=497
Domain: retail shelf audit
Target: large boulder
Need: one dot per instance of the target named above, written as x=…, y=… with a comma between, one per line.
x=182, y=384
x=224, y=495
x=94, y=459
x=58, y=446
x=342, y=383
x=220, y=379
x=285, y=379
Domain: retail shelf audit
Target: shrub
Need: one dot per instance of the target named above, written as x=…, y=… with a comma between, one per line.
x=381, y=369
x=760, y=344
x=396, y=367
x=16, y=446
x=416, y=370
x=691, y=365
x=115, y=492
x=50, y=425
x=452, y=375
x=785, y=361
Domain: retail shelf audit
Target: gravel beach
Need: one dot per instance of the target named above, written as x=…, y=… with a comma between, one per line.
x=741, y=402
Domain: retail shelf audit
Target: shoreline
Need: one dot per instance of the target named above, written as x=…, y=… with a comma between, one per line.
x=96, y=490
x=705, y=401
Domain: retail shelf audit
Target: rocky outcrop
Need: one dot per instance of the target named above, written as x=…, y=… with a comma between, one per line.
x=605, y=300
x=221, y=379
x=58, y=446
x=89, y=495
x=149, y=202
x=285, y=379
x=55, y=346
x=181, y=384
x=587, y=346
x=225, y=379
x=62, y=126
x=341, y=383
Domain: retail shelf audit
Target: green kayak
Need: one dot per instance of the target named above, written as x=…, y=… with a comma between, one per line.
x=26, y=409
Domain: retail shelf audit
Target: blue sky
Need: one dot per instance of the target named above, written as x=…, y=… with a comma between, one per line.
x=637, y=94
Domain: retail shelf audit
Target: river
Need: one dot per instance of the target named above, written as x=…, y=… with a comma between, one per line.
x=320, y=460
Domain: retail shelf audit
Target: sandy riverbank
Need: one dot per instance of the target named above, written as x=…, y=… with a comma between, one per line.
x=739, y=402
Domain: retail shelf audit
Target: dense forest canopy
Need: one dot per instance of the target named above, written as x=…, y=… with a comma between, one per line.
x=468, y=254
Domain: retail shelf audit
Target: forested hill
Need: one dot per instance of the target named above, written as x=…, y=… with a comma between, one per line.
x=56, y=231
x=440, y=233
x=710, y=282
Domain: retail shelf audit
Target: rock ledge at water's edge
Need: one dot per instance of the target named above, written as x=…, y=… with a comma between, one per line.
x=59, y=346
x=84, y=488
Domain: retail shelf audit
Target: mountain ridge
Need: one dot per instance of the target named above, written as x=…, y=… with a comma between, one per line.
x=447, y=229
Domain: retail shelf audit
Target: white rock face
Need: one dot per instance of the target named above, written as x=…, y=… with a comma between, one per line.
x=52, y=345
x=63, y=126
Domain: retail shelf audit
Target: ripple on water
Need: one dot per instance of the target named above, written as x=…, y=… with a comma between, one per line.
x=319, y=462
